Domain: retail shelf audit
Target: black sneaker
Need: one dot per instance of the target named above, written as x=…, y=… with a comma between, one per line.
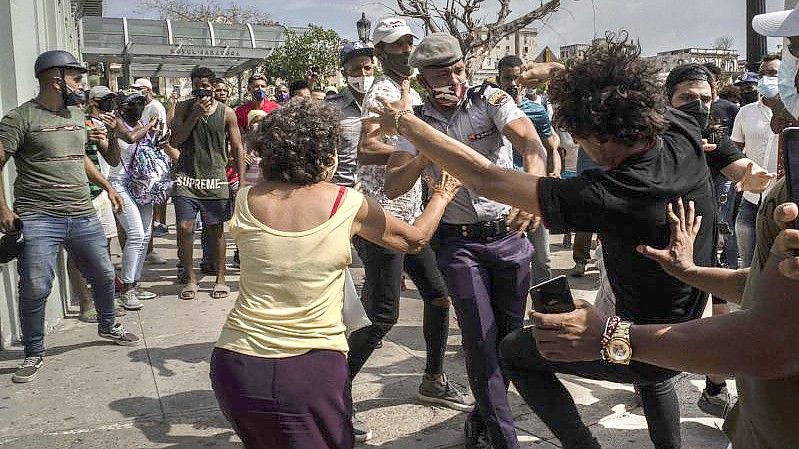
x=476, y=433
x=360, y=430
x=444, y=393
x=119, y=335
x=27, y=370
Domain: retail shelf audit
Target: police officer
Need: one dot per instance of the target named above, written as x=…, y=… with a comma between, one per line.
x=46, y=137
x=357, y=65
x=483, y=255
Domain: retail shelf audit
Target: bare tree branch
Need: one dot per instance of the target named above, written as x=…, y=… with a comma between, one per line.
x=461, y=18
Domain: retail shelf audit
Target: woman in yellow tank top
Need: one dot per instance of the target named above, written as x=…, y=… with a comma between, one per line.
x=279, y=369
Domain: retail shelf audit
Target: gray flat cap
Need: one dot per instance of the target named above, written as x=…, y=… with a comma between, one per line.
x=436, y=50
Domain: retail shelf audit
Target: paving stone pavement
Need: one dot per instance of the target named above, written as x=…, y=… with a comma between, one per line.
x=92, y=394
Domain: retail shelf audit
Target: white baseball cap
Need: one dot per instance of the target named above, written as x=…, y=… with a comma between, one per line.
x=142, y=83
x=777, y=24
x=390, y=29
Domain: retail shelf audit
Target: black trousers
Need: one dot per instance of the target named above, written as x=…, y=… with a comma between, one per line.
x=382, y=291
x=534, y=378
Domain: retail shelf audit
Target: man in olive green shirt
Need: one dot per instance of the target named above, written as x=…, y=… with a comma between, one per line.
x=201, y=131
x=53, y=207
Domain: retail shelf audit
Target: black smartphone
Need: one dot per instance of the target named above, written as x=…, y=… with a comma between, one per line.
x=552, y=296
x=790, y=150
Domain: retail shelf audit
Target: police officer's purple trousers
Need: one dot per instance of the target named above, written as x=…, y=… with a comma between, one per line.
x=488, y=281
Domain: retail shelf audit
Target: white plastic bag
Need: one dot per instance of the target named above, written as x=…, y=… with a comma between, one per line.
x=354, y=314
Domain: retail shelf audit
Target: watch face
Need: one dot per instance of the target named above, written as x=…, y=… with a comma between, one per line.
x=619, y=350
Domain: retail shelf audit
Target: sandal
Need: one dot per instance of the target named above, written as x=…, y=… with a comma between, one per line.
x=189, y=292
x=220, y=291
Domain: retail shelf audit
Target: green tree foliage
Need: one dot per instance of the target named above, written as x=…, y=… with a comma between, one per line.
x=316, y=48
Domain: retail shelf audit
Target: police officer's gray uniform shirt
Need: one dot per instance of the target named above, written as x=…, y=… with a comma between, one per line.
x=350, y=124
x=478, y=122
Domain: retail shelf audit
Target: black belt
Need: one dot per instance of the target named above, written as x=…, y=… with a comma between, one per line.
x=482, y=230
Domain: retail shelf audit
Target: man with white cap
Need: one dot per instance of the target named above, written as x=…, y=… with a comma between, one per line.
x=152, y=107
x=394, y=42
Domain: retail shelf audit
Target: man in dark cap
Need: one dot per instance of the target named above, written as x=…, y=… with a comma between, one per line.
x=691, y=89
x=46, y=137
x=484, y=255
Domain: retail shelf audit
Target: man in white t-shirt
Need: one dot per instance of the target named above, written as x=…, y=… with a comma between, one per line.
x=752, y=133
x=152, y=107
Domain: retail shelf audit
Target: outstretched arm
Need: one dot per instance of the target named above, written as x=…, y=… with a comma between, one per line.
x=506, y=186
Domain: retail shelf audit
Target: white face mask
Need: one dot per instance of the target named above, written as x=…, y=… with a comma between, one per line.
x=787, y=82
x=768, y=86
x=360, y=84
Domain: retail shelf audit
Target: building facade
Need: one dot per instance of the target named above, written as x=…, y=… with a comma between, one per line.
x=573, y=51
x=523, y=43
x=726, y=60
x=37, y=26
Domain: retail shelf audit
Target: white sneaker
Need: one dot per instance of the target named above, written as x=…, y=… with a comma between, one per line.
x=144, y=294
x=130, y=301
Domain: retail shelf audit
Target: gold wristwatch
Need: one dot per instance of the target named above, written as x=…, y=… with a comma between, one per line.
x=618, y=348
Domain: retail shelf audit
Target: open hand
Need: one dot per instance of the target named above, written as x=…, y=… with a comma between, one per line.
x=678, y=257
x=755, y=181
x=383, y=116
x=108, y=119
x=570, y=337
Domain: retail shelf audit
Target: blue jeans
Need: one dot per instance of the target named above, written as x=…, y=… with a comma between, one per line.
x=725, y=190
x=86, y=243
x=745, y=232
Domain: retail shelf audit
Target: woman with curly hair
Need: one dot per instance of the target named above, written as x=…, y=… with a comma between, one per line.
x=279, y=369
x=612, y=104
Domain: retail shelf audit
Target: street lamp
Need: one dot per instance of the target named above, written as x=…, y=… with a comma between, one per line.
x=364, y=27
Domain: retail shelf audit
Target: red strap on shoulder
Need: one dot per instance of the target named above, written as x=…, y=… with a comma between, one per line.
x=341, y=191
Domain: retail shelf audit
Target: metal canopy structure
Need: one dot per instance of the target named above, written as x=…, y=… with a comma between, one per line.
x=164, y=48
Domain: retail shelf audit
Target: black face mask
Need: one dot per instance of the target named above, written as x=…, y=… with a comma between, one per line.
x=107, y=104
x=698, y=111
x=748, y=97
x=200, y=93
x=132, y=114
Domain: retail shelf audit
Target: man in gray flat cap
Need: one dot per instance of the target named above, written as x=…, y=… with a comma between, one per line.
x=484, y=255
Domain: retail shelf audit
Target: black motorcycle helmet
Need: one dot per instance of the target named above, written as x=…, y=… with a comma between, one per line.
x=59, y=59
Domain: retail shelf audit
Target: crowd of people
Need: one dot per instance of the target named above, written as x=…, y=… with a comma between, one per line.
x=457, y=187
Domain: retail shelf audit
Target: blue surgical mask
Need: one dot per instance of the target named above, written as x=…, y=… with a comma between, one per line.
x=787, y=82
x=768, y=86
x=259, y=95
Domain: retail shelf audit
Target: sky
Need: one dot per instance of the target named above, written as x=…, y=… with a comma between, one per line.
x=659, y=25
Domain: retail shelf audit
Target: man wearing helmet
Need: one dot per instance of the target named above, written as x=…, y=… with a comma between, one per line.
x=52, y=205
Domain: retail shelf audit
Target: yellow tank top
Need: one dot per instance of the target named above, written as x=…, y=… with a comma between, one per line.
x=291, y=291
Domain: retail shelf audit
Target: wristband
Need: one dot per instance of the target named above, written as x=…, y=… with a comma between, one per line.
x=398, y=115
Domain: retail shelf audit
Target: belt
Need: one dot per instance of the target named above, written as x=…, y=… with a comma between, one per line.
x=482, y=230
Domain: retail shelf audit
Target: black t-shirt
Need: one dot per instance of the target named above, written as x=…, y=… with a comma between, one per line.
x=723, y=112
x=626, y=206
x=725, y=154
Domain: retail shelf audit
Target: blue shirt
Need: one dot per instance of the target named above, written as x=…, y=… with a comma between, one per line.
x=540, y=117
